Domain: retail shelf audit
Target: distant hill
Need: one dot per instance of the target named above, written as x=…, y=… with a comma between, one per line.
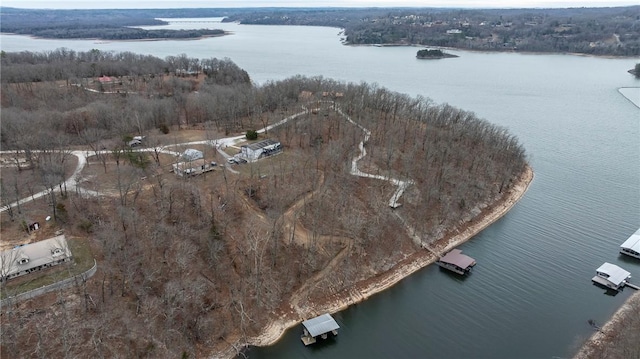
x=612, y=31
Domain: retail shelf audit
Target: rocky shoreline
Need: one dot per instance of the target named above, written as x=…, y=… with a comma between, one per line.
x=340, y=301
x=598, y=344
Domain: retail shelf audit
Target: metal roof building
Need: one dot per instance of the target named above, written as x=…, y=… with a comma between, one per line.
x=456, y=258
x=457, y=262
x=191, y=154
x=631, y=246
x=318, y=326
x=613, y=274
x=254, y=151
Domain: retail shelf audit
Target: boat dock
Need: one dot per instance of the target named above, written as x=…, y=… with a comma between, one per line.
x=631, y=246
x=611, y=276
x=632, y=286
x=319, y=326
x=457, y=262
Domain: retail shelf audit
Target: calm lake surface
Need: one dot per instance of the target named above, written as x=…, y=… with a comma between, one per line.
x=530, y=295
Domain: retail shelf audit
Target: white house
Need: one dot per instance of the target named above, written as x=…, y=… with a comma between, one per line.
x=260, y=149
x=32, y=257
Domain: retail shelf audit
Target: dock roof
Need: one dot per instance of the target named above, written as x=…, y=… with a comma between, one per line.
x=633, y=242
x=320, y=325
x=616, y=274
x=456, y=258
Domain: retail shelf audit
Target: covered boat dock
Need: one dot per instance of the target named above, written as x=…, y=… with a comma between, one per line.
x=631, y=246
x=319, y=326
x=457, y=262
x=611, y=276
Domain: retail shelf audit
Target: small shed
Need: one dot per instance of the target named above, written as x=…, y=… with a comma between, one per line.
x=134, y=143
x=319, y=326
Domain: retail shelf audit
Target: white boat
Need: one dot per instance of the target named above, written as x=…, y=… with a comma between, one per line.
x=611, y=276
x=631, y=246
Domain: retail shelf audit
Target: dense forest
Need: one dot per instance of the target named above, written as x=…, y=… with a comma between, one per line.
x=93, y=24
x=189, y=267
x=597, y=31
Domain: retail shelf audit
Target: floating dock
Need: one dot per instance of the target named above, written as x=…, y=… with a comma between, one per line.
x=611, y=276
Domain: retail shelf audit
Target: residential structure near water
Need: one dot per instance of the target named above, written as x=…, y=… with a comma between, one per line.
x=631, y=246
x=457, y=262
x=319, y=326
x=611, y=276
x=28, y=258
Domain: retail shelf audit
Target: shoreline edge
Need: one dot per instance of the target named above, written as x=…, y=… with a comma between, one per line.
x=414, y=262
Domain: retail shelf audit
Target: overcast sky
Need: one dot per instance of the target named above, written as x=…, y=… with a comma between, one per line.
x=148, y=4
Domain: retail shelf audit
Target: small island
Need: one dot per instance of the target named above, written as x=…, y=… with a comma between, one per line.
x=433, y=54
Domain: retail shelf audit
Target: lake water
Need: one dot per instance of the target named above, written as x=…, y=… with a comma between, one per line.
x=530, y=295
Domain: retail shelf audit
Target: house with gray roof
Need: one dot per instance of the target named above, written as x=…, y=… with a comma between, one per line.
x=31, y=257
x=256, y=150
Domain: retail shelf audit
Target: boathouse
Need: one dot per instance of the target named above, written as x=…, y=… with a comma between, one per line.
x=631, y=246
x=319, y=326
x=457, y=262
x=191, y=154
x=611, y=276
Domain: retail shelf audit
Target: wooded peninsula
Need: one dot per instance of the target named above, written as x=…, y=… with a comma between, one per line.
x=369, y=186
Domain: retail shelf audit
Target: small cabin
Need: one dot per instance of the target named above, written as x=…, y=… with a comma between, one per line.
x=457, y=262
x=631, y=246
x=319, y=326
x=611, y=276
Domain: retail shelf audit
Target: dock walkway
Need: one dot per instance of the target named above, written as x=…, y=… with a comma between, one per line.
x=632, y=286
